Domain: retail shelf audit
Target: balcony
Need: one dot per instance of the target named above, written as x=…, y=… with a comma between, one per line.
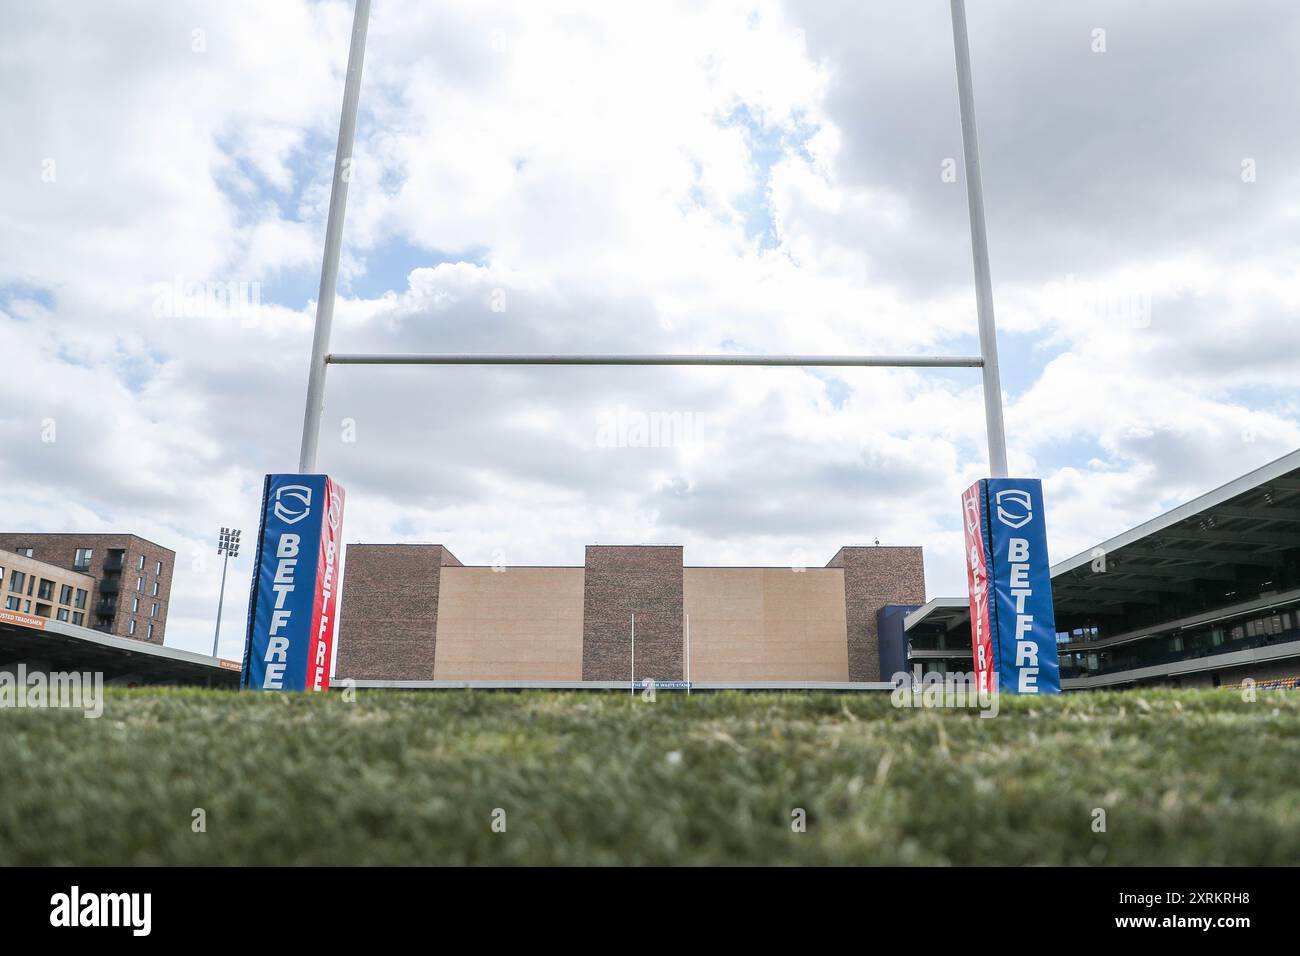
x=114, y=561
x=1133, y=657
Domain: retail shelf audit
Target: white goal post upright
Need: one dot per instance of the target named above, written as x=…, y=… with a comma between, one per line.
x=979, y=241
x=987, y=360
x=329, y=270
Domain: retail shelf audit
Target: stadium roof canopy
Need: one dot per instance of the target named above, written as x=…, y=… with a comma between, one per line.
x=58, y=646
x=1246, y=525
x=947, y=611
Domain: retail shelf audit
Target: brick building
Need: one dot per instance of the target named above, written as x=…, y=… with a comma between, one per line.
x=34, y=588
x=414, y=612
x=131, y=577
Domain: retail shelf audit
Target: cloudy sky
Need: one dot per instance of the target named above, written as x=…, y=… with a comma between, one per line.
x=691, y=177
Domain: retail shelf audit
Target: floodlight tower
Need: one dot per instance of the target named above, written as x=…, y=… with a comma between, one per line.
x=227, y=545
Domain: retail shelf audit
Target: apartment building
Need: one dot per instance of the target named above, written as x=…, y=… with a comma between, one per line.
x=36, y=589
x=130, y=578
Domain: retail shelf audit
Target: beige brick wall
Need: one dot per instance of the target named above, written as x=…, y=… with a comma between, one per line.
x=766, y=624
x=517, y=624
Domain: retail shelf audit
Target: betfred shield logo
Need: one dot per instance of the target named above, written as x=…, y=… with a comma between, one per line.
x=1015, y=507
x=292, y=503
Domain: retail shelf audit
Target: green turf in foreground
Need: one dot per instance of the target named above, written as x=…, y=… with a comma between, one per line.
x=1185, y=777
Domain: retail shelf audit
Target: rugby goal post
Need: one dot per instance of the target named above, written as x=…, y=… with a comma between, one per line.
x=322, y=358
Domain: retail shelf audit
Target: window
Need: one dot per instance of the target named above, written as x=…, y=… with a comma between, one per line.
x=157, y=568
x=148, y=632
x=153, y=611
x=81, y=598
x=65, y=594
x=139, y=584
x=155, y=587
x=43, y=610
x=135, y=604
x=130, y=626
x=27, y=607
x=25, y=552
x=82, y=561
x=46, y=593
x=16, y=581
x=63, y=614
x=11, y=604
x=78, y=618
x=140, y=565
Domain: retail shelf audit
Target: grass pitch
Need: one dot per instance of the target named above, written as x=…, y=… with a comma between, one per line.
x=603, y=778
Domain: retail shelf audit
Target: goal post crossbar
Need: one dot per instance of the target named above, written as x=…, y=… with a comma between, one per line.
x=764, y=361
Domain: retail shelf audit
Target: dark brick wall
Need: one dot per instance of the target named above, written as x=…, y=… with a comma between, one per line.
x=60, y=549
x=620, y=581
x=874, y=577
x=388, y=624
